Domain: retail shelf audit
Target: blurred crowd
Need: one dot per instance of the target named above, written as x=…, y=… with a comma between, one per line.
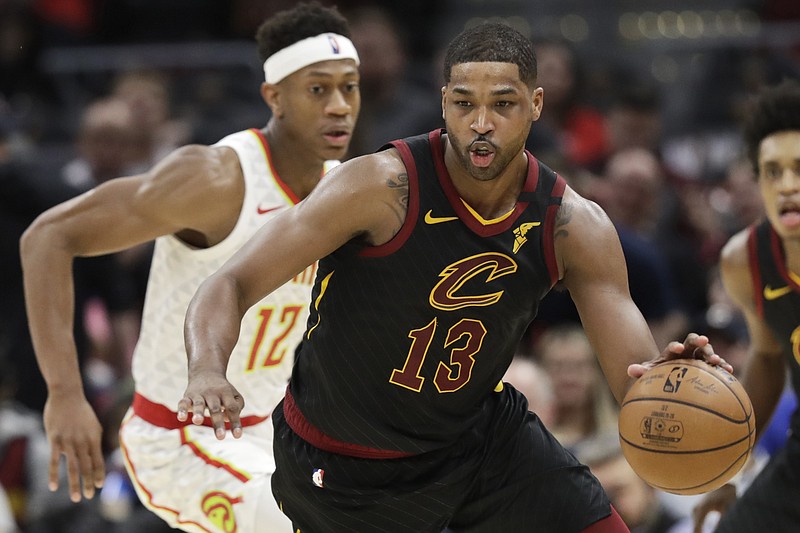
x=92, y=90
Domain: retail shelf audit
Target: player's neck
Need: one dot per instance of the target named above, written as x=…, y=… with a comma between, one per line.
x=296, y=167
x=791, y=254
x=491, y=198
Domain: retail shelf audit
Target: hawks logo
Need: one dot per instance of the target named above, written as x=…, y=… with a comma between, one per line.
x=218, y=507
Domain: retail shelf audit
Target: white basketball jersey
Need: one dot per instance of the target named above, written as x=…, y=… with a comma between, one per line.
x=261, y=362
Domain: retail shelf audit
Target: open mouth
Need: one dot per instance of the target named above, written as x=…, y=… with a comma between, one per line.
x=481, y=154
x=337, y=137
x=789, y=214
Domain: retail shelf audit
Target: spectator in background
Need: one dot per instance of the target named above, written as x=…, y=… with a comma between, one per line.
x=639, y=504
x=633, y=193
x=634, y=196
x=634, y=118
x=528, y=377
x=568, y=129
x=393, y=105
x=105, y=144
x=743, y=204
x=107, y=147
x=147, y=92
x=584, y=406
x=25, y=192
x=158, y=130
x=670, y=225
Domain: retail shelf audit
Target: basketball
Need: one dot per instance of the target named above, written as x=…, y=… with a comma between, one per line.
x=686, y=427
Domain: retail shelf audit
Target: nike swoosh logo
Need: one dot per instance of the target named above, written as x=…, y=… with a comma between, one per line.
x=430, y=219
x=262, y=211
x=772, y=294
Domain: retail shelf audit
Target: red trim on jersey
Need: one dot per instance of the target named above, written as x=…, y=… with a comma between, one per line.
x=286, y=189
x=412, y=212
x=150, y=504
x=161, y=416
x=611, y=524
x=312, y=435
x=755, y=271
x=549, y=230
x=477, y=227
x=216, y=463
x=780, y=260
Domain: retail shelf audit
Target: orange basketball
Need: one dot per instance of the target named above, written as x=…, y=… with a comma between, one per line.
x=686, y=427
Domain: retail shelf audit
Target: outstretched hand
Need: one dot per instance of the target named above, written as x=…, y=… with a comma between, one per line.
x=211, y=391
x=694, y=347
x=74, y=431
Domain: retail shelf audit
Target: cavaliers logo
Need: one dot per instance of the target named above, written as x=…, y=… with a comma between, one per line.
x=218, y=507
x=446, y=294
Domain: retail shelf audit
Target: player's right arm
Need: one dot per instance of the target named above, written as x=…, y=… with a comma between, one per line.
x=764, y=370
x=365, y=198
x=190, y=192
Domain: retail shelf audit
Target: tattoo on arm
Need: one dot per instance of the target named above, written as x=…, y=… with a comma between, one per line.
x=563, y=217
x=400, y=186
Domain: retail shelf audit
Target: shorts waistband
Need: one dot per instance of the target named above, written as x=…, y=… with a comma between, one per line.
x=159, y=415
x=314, y=436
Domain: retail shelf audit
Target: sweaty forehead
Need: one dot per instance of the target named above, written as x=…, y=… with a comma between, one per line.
x=493, y=72
x=780, y=145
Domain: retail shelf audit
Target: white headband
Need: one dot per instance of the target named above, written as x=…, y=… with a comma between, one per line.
x=323, y=47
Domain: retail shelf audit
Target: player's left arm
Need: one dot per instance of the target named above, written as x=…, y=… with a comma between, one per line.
x=592, y=267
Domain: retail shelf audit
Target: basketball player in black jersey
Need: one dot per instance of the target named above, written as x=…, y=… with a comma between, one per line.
x=761, y=271
x=434, y=255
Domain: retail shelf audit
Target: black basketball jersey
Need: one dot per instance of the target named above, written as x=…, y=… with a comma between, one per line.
x=407, y=341
x=777, y=297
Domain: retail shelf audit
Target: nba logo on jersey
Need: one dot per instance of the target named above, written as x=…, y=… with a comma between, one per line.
x=316, y=477
x=334, y=45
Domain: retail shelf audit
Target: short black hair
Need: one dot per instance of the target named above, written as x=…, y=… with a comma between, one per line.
x=306, y=19
x=496, y=42
x=775, y=109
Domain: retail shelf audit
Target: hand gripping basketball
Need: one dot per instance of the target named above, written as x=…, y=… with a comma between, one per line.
x=686, y=427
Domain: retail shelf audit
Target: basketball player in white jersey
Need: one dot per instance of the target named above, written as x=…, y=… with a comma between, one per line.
x=201, y=203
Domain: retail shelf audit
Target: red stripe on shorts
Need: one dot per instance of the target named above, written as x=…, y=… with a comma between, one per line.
x=312, y=435
x=159, y=415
